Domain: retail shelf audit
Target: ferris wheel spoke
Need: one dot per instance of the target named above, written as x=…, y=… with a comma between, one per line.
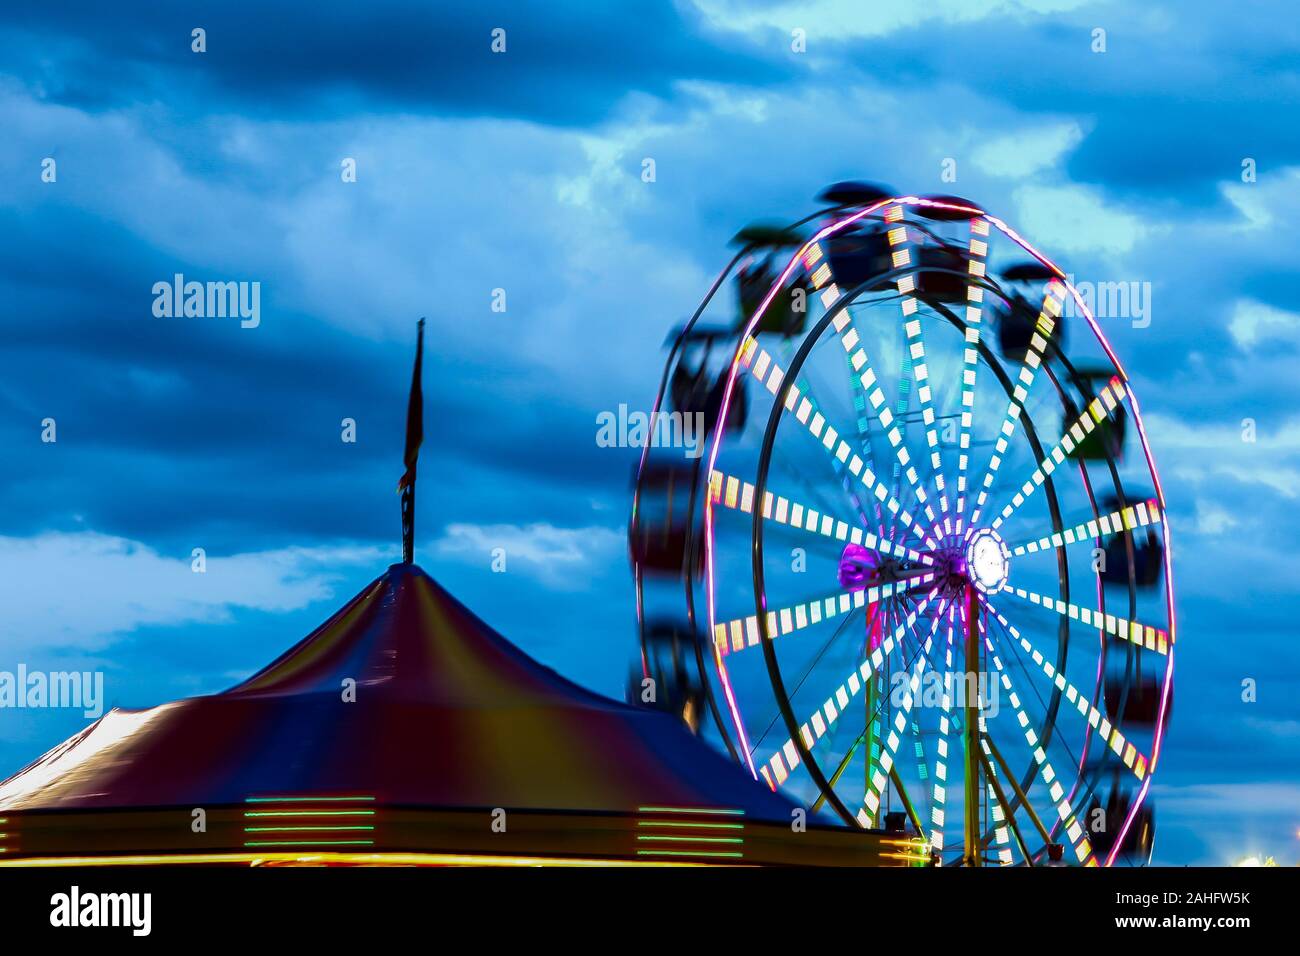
x=1047, y=316
x=970, y=363
x=858, y=359
x=786, y=759
x=1139, y=515
x=1135, y=761
x=1143, y=635
x=1074, y=828
x=770, y=374
x=742, y=632
x=730, y=492
x=1098, y=410
x=939, y=789
x=881, y=775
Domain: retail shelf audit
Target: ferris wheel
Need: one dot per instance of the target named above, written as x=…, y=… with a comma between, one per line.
x=920, y=579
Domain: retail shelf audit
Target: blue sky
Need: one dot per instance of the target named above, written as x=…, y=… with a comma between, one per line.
x=522, y=172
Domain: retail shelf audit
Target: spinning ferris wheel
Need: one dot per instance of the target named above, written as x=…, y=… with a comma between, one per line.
x=920, y=578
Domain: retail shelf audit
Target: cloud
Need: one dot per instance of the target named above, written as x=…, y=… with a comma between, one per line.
x=1021, y=154
x=1076, y=219
x=563, y=558
x=843, y=20
x=84, y=590
x=1254, y=322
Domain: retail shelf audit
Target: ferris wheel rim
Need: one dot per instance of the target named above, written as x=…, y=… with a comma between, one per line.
x=1082, y=310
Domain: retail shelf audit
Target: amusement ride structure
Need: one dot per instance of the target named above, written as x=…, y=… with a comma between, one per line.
x=920, y=577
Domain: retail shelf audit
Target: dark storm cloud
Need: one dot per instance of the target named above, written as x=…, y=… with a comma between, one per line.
x=565, y=62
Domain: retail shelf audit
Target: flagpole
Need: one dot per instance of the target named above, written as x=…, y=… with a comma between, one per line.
x=414, y=438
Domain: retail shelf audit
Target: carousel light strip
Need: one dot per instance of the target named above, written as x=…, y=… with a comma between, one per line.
x=1051, y=310
x=979, y=230
x=731, y=492
x=685, y=843
x=742, y=632
x=1073, y=829
x=1143, y=635
x=939, y=790
x=310, y=826
x=786, y=758
x=1124, y=749
x=771, y=375
x=1098, y=410
x=871, y=803
x=1140, y=515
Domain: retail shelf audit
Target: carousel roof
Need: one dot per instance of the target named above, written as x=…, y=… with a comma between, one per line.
x=447, y=713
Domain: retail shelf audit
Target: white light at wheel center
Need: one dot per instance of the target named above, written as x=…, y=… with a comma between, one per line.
x=987, y=561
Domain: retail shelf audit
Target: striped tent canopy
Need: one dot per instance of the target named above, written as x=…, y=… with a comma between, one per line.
x=446, y=713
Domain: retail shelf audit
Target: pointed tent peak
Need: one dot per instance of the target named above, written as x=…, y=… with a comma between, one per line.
x=406, y=632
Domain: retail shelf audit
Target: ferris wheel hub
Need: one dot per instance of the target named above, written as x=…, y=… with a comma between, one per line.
x=988, y=560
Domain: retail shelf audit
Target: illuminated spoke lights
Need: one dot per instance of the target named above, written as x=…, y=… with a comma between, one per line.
x=880, y=775
x=939, y=790
x=731, y=492
x=786, y=758
x=1098, y=410
x=309, y=821
x=742, y=632
x=690, y=832
x=1140, y=515
x=1124, y=749
x=1073, y=828
x=1143, y=635
x=979, y=230
x=770, y=374
x=861, y=364
x=1015, y=405
x=876, y=399
x=921, y=372
x=995, y=806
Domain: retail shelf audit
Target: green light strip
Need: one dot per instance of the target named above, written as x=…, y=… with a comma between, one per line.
x=305, y=799
x=691, y=839
x=703, y=810
x=309, y=843
x=675, y=824
x=688, y=853
x=287, y=829
x=309, y=813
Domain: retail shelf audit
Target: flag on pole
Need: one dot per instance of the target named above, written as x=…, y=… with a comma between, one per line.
x=414, y=415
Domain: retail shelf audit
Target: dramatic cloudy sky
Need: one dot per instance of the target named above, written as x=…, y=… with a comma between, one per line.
x=522, y=171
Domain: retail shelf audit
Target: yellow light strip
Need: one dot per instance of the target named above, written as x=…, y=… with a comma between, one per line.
x=326, y=858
